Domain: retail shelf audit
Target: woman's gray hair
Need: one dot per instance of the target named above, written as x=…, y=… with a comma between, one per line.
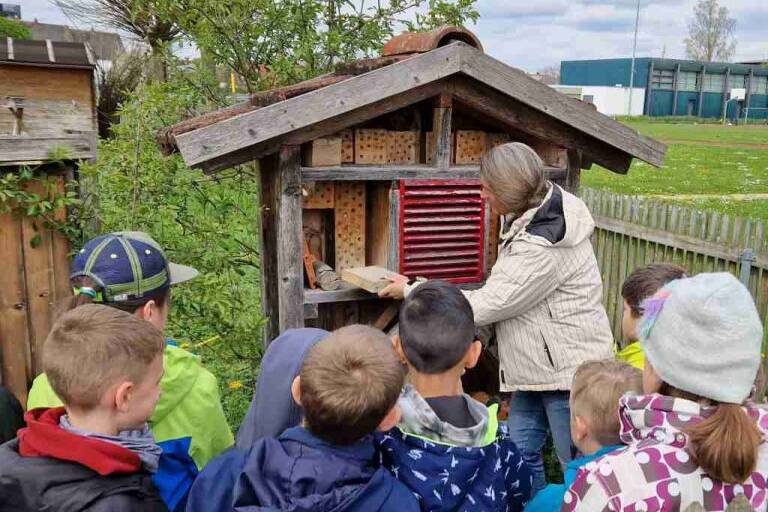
x=515, y=175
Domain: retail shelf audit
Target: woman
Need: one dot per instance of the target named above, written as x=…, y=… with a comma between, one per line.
x=695, y=441
x=543, y=297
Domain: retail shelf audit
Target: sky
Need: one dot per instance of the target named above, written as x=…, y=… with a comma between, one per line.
x=534, y=34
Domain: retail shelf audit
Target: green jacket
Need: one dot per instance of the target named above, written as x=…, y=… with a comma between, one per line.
x=633, y=355
x=189, y=407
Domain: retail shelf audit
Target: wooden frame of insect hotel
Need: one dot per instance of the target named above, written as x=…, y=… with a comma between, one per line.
x=377, y=164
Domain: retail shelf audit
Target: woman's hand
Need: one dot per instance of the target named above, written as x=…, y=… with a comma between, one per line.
x=395, y=290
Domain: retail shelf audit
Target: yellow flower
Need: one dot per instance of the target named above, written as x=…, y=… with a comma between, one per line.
x=235, y=384
x=184, y=345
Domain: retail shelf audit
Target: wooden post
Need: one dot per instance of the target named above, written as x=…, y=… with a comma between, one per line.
x=441, y=127
x=748, y=97
x=675, y=88
x=573, y=176
x=290, y=265
x=702, y=76
x=268, y=172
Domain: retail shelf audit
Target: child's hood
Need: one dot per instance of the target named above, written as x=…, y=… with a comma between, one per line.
x=300, y=472
x=182, y=370
x=419, y=419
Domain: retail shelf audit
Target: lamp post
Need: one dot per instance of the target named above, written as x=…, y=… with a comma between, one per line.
x=634, y=50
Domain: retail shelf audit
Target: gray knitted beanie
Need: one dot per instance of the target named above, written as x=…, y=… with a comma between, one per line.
x=703, y=335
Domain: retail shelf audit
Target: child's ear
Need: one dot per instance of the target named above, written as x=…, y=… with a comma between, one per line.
x=579, y=428
x=391, y=420
x=473, y=354
x=397, y=344
x=296, y=390
x=122, y=396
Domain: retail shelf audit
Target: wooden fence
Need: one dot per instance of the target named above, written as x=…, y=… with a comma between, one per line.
x=636, y=231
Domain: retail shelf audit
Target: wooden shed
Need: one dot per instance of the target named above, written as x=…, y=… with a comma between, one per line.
x=47, y=102
x=377, y=163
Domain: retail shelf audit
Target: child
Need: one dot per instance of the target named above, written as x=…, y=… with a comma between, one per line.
x=437, y=341
x=129, y=271
x=640, y=285
x=595, y=393
x=695, y=441
x=96, y=452
x=348, y=387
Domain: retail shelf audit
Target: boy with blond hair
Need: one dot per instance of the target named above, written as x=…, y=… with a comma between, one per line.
x=347, y=387
x=96, y=453
x=595, y=393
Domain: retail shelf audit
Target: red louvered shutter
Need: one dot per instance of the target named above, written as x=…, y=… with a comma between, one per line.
x=442, y=230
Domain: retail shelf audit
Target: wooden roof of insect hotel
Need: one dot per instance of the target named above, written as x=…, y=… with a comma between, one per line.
x=412, y=68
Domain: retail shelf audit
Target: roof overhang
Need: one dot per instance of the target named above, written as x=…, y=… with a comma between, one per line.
x=484, y=83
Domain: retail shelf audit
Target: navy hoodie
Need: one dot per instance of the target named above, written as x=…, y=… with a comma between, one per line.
x=272, y=409
x=299, y=472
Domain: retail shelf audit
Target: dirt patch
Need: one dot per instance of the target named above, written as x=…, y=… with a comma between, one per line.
x=717, y=144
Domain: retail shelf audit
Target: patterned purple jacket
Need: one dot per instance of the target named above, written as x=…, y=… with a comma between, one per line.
x=655, y=471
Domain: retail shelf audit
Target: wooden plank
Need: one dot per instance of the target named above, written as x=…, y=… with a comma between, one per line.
x=14, y=328
x=393, y=256
x=318, y=196
x=346, y=292
x=573, y=176
x=347, y=146
x=443, y=137
x=386, y=316
x=60, y=248
x=14, y=150
x=310, y=311
x=404, y=172
x=519, y=116
x=322, y=152
x=570, y=111
x=675, y=240
x=377, y=224
x=372, y=279
x=38, y=272
x=384, y=86
x=290, y=264
x=269, y=176
x=349, y=225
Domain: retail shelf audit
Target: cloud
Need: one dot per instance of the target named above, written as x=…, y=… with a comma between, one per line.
x=501, y=10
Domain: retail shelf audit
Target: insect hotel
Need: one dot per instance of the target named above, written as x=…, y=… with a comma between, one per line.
x=377, y=165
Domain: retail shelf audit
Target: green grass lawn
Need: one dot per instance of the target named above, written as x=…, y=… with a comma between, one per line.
x=698, y=168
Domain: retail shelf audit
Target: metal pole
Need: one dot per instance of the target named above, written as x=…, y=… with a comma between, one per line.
x=634, y=50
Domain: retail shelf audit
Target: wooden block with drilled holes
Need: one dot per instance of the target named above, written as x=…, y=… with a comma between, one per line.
x=322, y=152
x=349, y=220
x=370, y=146
x=470, y=146
x=430, y=145
x=550, y=154
x=371, y=279
x=495, y=139
x=403, y=147
x=347, y=146
x=318, y=196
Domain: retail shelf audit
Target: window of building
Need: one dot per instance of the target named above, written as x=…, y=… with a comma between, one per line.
x=760, y=85
x=737, y=82
x=663, y=79
x=688, y=81
x=714, y=82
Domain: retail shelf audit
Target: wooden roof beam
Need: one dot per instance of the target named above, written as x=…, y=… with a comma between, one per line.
x=212, y=146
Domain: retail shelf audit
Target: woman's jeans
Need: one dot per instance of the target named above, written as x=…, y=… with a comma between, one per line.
x=531, y=415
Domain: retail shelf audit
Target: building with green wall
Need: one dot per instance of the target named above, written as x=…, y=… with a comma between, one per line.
x=679, y=87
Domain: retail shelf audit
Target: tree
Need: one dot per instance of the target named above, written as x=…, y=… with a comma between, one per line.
x=116, y=84
x=267, y=43
x=139, y=18
x=14, y=29
x=710, y=33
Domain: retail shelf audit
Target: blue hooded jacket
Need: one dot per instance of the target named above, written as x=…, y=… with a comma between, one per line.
x=272, y=409
x=487, y=475
x=300, y=473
